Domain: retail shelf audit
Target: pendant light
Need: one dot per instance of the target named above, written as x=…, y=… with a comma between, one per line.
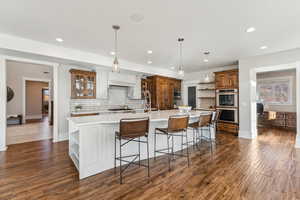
x=180, y=68
x=115, y=66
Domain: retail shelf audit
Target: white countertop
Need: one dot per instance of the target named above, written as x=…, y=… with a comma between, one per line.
x=115, y=118
x=102, y=111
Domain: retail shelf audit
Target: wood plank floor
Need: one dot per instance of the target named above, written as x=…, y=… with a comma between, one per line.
x=31, y=131
x=265, y=168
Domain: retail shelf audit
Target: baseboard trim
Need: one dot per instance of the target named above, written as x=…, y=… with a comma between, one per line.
x=3, y=148
x=246, y=135
x=62, y=137
x=297, y=143
x=34, y=116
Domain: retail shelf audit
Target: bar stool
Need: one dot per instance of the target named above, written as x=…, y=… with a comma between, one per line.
x=131, y=130
x=195, y=127
x=215, y=119
x=176, y=124
x=205, y=122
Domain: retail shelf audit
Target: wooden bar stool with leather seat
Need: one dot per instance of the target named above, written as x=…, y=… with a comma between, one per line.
x=195, y=127
x=176, y=124
x=205, y=122
x=214, y=122
x=131, y=130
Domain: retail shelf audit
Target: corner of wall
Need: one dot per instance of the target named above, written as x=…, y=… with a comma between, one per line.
x=246, y=135
x=62, y=137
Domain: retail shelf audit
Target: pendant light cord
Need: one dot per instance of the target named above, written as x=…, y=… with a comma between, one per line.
x=180, y=68
x=116, y=43
x=180, y=40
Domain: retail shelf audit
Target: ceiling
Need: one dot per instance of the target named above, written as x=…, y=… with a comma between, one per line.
x=211, y=25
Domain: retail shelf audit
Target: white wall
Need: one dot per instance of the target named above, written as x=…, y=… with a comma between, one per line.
x=15, y=73
x=2, y=104
x=247, y=84
x=200, y=75
x=279, y=74
x=64, y=96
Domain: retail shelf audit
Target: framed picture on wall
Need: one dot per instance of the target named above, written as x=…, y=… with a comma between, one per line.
x=275, y=91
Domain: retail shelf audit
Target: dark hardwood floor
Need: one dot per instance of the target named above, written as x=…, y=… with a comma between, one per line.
x=265, y=168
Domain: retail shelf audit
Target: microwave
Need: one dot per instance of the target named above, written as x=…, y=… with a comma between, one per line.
x=227, y=98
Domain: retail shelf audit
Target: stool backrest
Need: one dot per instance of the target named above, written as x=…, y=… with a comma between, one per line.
x=178, y=123
x=216, y=116
x=134, y=127
x=205, y=120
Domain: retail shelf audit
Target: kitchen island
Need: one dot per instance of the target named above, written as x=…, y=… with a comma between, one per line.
x=91, y=139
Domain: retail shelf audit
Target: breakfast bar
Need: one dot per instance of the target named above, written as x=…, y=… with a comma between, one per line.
x=91, y=138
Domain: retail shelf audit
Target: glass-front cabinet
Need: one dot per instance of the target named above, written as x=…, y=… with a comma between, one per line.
x=83, y=84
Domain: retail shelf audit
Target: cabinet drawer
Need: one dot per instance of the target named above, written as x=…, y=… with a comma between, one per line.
x=278, y=122
x=291, y=123
x=228, y=127
x=280, y=115
x=291, y=115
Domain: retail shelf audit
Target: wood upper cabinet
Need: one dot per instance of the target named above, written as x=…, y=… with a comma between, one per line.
x=162, y=91
x=227, y=79
x=83, y=84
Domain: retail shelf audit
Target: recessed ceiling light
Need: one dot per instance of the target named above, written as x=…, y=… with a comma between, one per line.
x=263, y=47
x=112, y=53
x=149, y=62
x=59, y=40
x=149, y=52
x=205, y=60
x=250, y=30
x=136, y=17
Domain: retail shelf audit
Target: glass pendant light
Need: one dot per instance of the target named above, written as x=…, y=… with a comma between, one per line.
x=180, y=68
x=115, y=66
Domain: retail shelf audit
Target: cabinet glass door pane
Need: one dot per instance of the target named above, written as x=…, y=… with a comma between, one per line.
x=79, y=85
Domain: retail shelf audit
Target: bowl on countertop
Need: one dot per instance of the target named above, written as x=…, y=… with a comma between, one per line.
x=184, y=109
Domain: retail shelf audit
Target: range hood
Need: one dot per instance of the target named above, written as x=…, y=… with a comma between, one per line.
x=125, y=80
x=120, y=83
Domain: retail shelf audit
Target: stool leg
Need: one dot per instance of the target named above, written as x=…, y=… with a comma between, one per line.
x=120, y=161
x=139, y=151
x=181, y=142
x=210, y=140
x=198, y=137
x=201, y=129
x=187, y=148
x=169, y=153
x=193, y=138
x=173, y=146
x=115, y=162
x=155, y=145
x=148, y=157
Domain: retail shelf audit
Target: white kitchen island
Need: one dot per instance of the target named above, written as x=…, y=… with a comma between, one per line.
x=91, y=139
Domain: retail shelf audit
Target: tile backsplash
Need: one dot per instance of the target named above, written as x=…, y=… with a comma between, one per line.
x=102, y=104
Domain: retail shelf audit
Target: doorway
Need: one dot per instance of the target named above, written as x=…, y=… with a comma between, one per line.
x=192, y=97
x=254, y=100
x=276, y=102
x=45, y=101
x=28, y=110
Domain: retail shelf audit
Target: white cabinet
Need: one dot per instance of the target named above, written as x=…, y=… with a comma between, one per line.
x=102, y=84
